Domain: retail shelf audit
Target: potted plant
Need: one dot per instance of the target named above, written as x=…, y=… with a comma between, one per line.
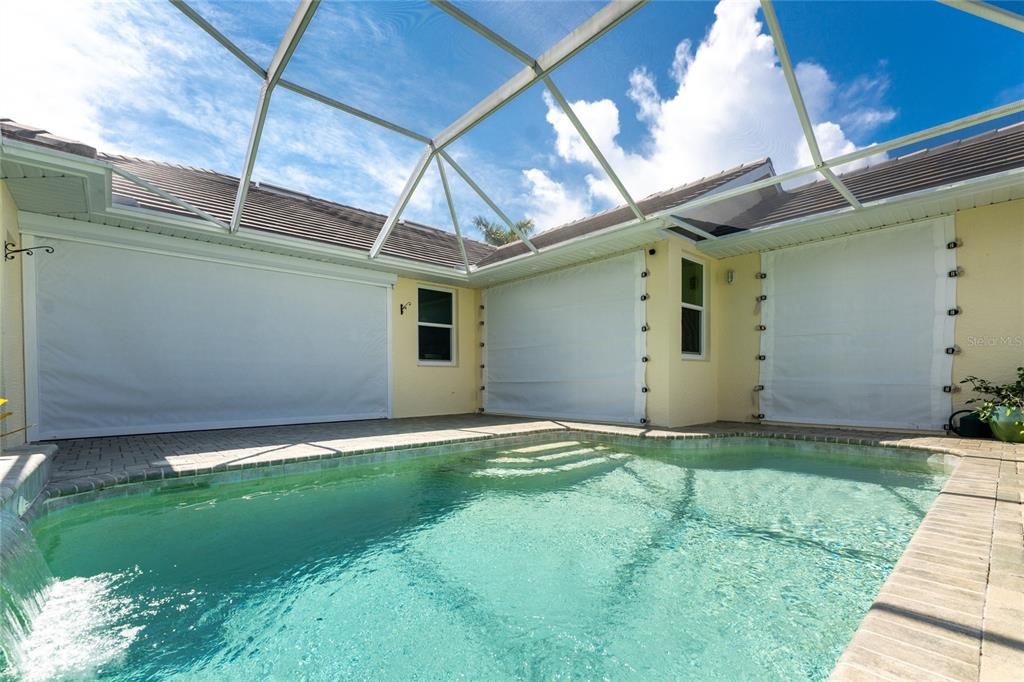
x=1002, y=408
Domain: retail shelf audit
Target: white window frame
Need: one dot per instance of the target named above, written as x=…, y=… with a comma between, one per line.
x=703, y=308
x=454, y=344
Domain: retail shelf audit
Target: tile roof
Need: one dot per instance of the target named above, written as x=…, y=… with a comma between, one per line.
x=622, y=214
x=43, y=138
x=271, y=209
x=985, y=154
x=281, y=211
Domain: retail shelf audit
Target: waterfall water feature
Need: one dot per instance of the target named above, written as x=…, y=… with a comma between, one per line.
x=24, y=577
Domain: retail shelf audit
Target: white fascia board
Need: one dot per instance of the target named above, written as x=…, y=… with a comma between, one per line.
x=202, y=238
x=43, y=226
x=750, y=241
x=143, y=219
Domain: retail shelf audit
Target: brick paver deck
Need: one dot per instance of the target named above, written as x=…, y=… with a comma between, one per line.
x=952, y=609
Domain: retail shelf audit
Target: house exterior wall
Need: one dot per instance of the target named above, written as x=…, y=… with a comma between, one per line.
x=12, y=355
x=990, y=294
x=684, y=390
x=424, y=390
x=738, y=341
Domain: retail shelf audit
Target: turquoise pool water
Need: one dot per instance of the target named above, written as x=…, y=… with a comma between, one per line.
x=563, y=560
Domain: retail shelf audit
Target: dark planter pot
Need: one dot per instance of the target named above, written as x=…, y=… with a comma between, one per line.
x=1007, y=424
x=969, y=425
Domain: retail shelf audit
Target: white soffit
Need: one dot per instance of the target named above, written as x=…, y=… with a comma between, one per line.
x=50, y=194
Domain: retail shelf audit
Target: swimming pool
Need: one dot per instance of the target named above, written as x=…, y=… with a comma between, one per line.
x=712, y=560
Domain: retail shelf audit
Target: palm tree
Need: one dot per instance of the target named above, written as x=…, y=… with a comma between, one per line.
x=497, y=235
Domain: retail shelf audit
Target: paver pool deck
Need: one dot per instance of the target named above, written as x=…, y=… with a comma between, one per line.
x=952, y=609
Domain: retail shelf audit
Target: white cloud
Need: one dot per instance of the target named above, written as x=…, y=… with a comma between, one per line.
x=46, y=79
x=730, y=106
x=553, y=203
x=138, y=78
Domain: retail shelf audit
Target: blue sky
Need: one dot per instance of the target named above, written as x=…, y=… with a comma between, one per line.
x=678, y=91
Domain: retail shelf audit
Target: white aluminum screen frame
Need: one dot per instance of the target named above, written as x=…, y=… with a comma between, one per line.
x=533, y=368
x=284, y=383
x=822, y=367
x=540, y=68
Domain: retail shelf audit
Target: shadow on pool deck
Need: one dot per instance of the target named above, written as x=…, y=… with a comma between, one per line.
x=84, y=457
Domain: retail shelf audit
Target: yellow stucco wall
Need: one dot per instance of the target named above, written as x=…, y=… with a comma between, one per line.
x=683, y=390
x=738, y=341
x=990, y=328
x=419, y=390
x=660, y=316
x=686, y=391
x=12, y=356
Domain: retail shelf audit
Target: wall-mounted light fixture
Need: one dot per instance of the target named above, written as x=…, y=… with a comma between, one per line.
x=730, y=276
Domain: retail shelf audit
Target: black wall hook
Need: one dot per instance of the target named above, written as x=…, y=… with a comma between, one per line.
x=10, y=252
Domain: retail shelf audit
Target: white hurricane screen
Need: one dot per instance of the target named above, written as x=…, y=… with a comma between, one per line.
x=568, y=344
x=858, y=327
x=131, y=341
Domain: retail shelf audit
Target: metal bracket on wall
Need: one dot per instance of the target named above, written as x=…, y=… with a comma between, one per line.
x=10, y=252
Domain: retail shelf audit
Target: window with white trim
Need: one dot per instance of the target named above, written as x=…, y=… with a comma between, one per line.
x=436, y=326
x=692, y=312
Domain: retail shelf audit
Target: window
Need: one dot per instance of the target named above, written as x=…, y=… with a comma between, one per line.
x=436, y=326
x=693, y=303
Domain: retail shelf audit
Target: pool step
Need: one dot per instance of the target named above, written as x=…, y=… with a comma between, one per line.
x=507, y=472
x=547, y=459
x=545, y=446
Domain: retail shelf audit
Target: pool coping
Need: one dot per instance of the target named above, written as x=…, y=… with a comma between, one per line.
x=952, y=608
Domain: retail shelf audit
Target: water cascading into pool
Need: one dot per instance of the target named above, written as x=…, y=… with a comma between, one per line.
x=24, y=577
